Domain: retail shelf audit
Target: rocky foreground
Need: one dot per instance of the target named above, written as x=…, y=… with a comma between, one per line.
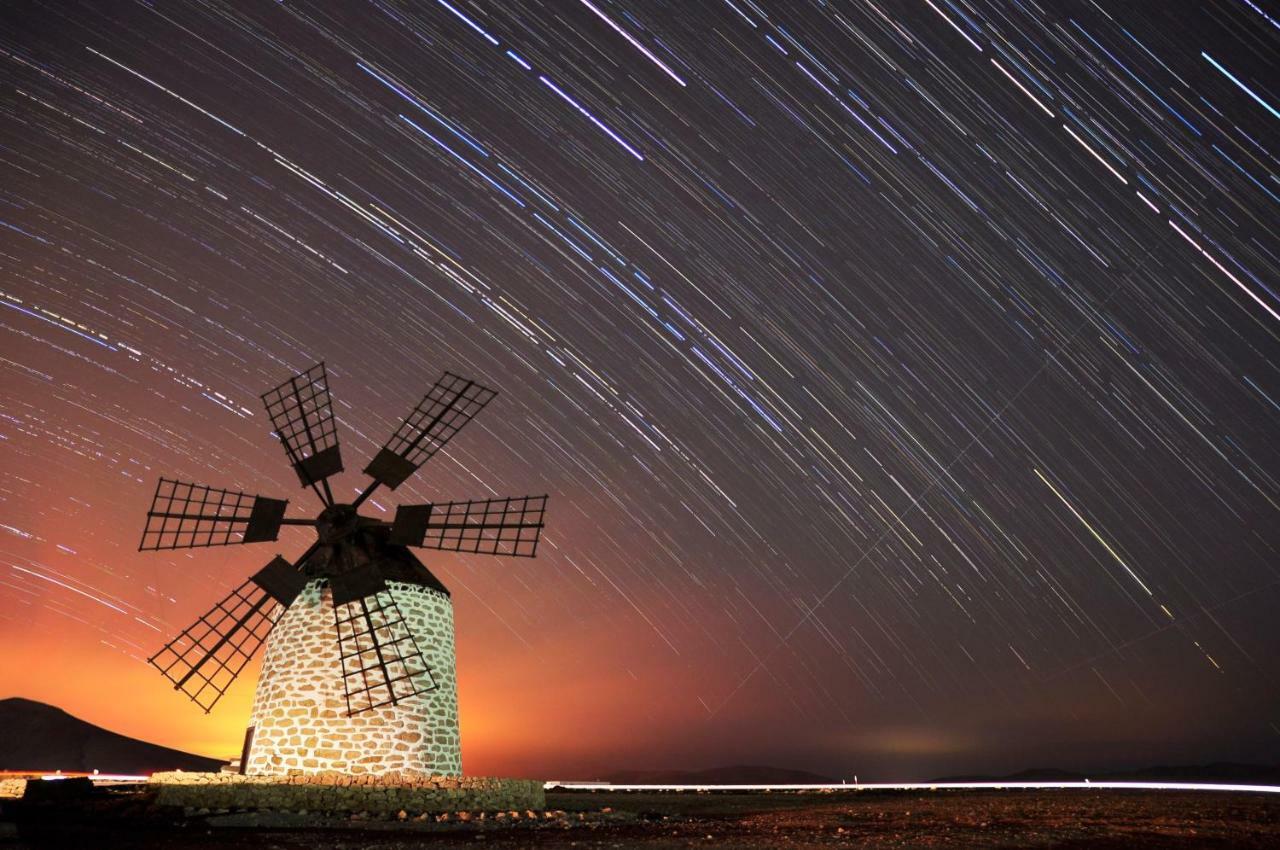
x=1058, y=819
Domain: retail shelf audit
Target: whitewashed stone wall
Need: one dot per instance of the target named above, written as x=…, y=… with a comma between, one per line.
x=299, y=711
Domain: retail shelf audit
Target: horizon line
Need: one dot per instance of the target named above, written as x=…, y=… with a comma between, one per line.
x=584, y=785
x=923, y=786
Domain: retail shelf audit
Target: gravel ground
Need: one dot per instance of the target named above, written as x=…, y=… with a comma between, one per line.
x=1059, y=819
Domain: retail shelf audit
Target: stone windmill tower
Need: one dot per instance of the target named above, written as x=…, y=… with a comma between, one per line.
x=358, y=674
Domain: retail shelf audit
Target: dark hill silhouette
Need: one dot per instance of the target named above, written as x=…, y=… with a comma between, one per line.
x=1225, y=772
x=736, y=775
x=36, y=736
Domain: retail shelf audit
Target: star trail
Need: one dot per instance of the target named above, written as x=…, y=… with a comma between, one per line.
x=904, y=375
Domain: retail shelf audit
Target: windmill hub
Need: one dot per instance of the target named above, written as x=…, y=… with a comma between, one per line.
x=337, y=522
x=359, y=668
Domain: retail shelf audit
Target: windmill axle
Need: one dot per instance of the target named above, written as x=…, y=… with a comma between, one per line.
x=338, y=522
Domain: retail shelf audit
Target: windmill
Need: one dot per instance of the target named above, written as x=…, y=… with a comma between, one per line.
x=358, y=673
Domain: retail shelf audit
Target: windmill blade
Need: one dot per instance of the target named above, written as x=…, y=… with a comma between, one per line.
x=191, y=516
x=450, y=404
x=205, y=658
x=509, y=526
x=381, y=661
x=301, y=414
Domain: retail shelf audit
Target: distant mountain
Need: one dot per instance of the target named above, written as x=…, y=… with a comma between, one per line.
x=36, y=736
x=1224, y=772
x=736, y=775
x=1034, y=774
x=1246, y=774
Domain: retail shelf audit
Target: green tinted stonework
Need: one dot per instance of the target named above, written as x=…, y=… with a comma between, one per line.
x=341, y=792
x=299, y=711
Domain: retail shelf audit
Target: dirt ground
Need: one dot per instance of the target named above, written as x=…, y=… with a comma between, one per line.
x=585, y=820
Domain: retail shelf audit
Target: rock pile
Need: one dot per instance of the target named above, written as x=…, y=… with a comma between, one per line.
x=341, y=792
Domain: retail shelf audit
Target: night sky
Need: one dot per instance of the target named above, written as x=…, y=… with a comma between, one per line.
x=904, y=376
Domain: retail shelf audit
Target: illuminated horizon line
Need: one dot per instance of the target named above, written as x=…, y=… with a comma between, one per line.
x=552, y=784
x=925, y=786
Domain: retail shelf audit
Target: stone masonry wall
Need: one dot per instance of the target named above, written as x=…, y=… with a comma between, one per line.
x=299, y=711
x=332, y=792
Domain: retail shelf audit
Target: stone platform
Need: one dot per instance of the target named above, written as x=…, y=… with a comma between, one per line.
x=12, y=788
x=340, y=792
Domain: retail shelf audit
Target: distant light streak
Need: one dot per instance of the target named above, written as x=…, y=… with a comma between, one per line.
x=62, y=324
x=729, y=3
x=1138, y=80
x=1269, y=19
x=1224, y=270
x=1246, y=89
x=339, y=197
x=414, y=100
x=52, y=580
x=494, y=183
x=469, y=22
x=1095, y=534
x=954, y=26
x=637, y=45
x=574, y=245
x=1243, y=171
x=1154, y=208
x=1024, y=89
x=849, y=109
x=1261, y=392
x=528, y=186
x=26, y=233
x=1096, y=155
x=592, y=118
x=519, y=61
x=201, y=110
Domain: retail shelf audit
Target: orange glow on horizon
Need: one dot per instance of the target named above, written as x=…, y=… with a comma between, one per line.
x=518, y=716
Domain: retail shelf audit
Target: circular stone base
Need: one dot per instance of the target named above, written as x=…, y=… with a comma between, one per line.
x=339, y=792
